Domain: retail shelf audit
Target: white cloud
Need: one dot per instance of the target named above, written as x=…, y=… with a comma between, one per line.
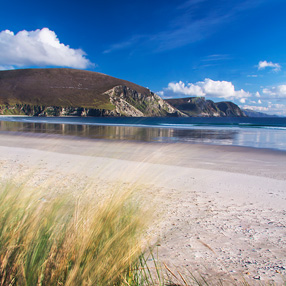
x=216, y=57
x=218, y=88
x=208, y=87
x=265, y=64
x=242, y=100
x=2, y=68
x=257, y=94
x=160, y=93
x=278, y=106
x=38, y=48
x=276, y=91
x=256, y=108
x=278, y=109
x=189, y=89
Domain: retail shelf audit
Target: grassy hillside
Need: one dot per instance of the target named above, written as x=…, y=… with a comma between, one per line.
x=69, y=92
x=59, y=87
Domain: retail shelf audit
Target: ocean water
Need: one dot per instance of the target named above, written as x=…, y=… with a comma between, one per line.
x=269, y=133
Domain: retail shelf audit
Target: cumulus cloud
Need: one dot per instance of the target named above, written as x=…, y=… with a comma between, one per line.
x=265, y=64
x=208, y=87
x=185, y=89
x=276, y=91
x=38, y=48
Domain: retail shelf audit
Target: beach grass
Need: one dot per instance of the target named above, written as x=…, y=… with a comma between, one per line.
x=59, y=240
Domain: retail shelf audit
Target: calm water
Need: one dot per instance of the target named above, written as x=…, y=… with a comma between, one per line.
x=250, y=132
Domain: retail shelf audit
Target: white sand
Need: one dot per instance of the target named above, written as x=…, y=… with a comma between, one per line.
x=218, y=209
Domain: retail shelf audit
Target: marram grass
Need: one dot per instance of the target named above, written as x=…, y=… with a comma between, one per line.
x=56, y=240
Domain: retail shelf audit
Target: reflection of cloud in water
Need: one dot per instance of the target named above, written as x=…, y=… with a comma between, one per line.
x=251, y=137
x=262, y=138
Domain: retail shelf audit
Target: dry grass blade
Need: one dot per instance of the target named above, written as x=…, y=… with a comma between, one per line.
x=182, y=277
x=171, y=272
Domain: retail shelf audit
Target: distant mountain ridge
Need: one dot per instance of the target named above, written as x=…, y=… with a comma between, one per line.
x=252, y=113
x=200, y=107
x=71, y=92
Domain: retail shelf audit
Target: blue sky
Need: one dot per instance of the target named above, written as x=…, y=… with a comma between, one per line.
x=221, y=49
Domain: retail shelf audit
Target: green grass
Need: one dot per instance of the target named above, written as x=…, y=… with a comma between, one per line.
x=15, y=110
x=103, y=105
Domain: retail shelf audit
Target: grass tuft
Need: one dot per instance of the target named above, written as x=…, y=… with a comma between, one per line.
x=57, y=240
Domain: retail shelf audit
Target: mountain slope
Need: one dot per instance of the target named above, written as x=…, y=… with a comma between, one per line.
x=62, y=91
x=199, y=107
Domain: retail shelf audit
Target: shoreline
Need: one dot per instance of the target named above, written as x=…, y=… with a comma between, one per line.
x=220, y=210
x=234, y=159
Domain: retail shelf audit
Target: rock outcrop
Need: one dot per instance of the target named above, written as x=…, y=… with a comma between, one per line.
x=129, y=102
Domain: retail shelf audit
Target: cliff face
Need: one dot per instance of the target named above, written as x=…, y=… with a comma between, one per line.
x=199, y=107
x=62, y=92
x=131, y=103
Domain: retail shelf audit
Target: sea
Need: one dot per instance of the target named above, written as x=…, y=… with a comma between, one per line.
x=266, y=133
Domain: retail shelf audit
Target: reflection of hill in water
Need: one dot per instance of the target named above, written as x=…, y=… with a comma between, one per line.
x=122, y=132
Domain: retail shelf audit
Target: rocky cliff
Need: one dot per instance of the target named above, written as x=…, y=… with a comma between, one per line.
x=200, y=107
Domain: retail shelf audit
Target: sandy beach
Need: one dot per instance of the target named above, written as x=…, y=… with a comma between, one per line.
x=218, y=210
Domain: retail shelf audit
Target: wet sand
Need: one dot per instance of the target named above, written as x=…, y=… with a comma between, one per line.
x=218, y=209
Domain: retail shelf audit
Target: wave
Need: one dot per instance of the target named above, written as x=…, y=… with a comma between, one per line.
x=275, y=127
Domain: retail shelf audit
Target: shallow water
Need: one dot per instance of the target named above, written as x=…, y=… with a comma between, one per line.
x=267, y=133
